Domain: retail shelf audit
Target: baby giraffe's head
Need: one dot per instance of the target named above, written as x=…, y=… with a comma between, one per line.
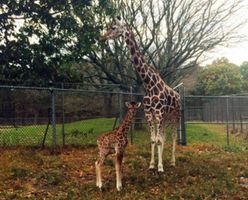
x=132, y=106
x=115, y=29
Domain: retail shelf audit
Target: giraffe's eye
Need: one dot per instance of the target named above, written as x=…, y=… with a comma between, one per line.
x=113, y=28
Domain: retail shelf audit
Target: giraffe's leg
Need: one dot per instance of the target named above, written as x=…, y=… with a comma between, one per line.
x=98, y=165
x=153, y=138
x=153, y=143
x=98, y=174
x=150, y=120
x=160, y=144
x=118, y=167
x=174, y=140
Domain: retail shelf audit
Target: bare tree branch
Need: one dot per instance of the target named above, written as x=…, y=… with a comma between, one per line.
x=172, y=35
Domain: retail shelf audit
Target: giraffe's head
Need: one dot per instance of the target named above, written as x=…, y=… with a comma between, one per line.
x=132, y=106
x=115, y=29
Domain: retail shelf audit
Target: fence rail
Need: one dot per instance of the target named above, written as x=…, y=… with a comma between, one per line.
x=58, y=116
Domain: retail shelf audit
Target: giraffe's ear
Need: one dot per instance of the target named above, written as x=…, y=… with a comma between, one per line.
x=127, y=103
x=138, y=104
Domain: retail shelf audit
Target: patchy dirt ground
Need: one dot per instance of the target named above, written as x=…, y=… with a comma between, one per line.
x=202, y=172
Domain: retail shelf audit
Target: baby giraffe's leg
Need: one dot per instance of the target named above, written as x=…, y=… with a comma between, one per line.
x=118, y=167
x=98, y=174
x=99, y=164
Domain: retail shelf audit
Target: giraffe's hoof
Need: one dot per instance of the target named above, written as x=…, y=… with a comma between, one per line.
x=152, y=170
x=119, y=188
x=160, y=169
x=161, y=173
x=173, y=164
x=100, y=188
x=151, y=166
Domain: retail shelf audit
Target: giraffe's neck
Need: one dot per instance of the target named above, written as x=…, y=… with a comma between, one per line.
x=147, y=73
x=127, y=121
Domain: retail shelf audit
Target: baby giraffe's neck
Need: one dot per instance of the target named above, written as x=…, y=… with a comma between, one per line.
x=124, y=127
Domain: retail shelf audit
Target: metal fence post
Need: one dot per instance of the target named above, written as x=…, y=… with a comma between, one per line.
x=182, y=120
x=227, y=122
x=233, y=115
x=131, y=93
x=241, y=124
x=132, y=126
x=183, y=129
x=120, y=107
x=63, y=116
x=53, y=118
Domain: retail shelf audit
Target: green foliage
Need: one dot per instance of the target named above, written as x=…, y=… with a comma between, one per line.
x=40, y=38
x=244, y=74
x=219, y=78
x=58, y=41
x=244, y=69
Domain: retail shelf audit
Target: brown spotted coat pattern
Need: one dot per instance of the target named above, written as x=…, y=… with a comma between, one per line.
x=115, y=142
x=161, y=102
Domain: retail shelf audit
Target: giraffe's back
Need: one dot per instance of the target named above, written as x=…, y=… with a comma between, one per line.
x=112, y=140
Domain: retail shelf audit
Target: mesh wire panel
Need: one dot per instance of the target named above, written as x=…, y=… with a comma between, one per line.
x=23, y=116
x=85, y=116
x=29, y=117
x=215, y=109
x=230, y=113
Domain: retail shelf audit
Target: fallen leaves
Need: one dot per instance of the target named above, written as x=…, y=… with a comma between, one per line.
x=243, y=182
x=202, y=172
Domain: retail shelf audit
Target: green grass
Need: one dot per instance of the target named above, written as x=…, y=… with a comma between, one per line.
x=80, y=132
x=214, y=134
x=85, y=132
x=27, y=134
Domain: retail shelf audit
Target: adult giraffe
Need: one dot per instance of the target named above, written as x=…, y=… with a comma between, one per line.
x=160, y=102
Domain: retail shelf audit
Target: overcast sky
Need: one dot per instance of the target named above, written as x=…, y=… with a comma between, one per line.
x=238, y=52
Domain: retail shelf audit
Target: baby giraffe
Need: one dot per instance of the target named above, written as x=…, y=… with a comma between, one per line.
x=115, y=142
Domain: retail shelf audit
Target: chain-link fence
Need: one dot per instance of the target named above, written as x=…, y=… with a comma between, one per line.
x=231, y=111
x=23, y=115
x=54, y=116
x=216, y=109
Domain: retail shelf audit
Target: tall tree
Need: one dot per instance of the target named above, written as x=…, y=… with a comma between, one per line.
x=59, y=40
x=39, y=37
x=172, y=34
x=244, y=74
x=219, y=78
